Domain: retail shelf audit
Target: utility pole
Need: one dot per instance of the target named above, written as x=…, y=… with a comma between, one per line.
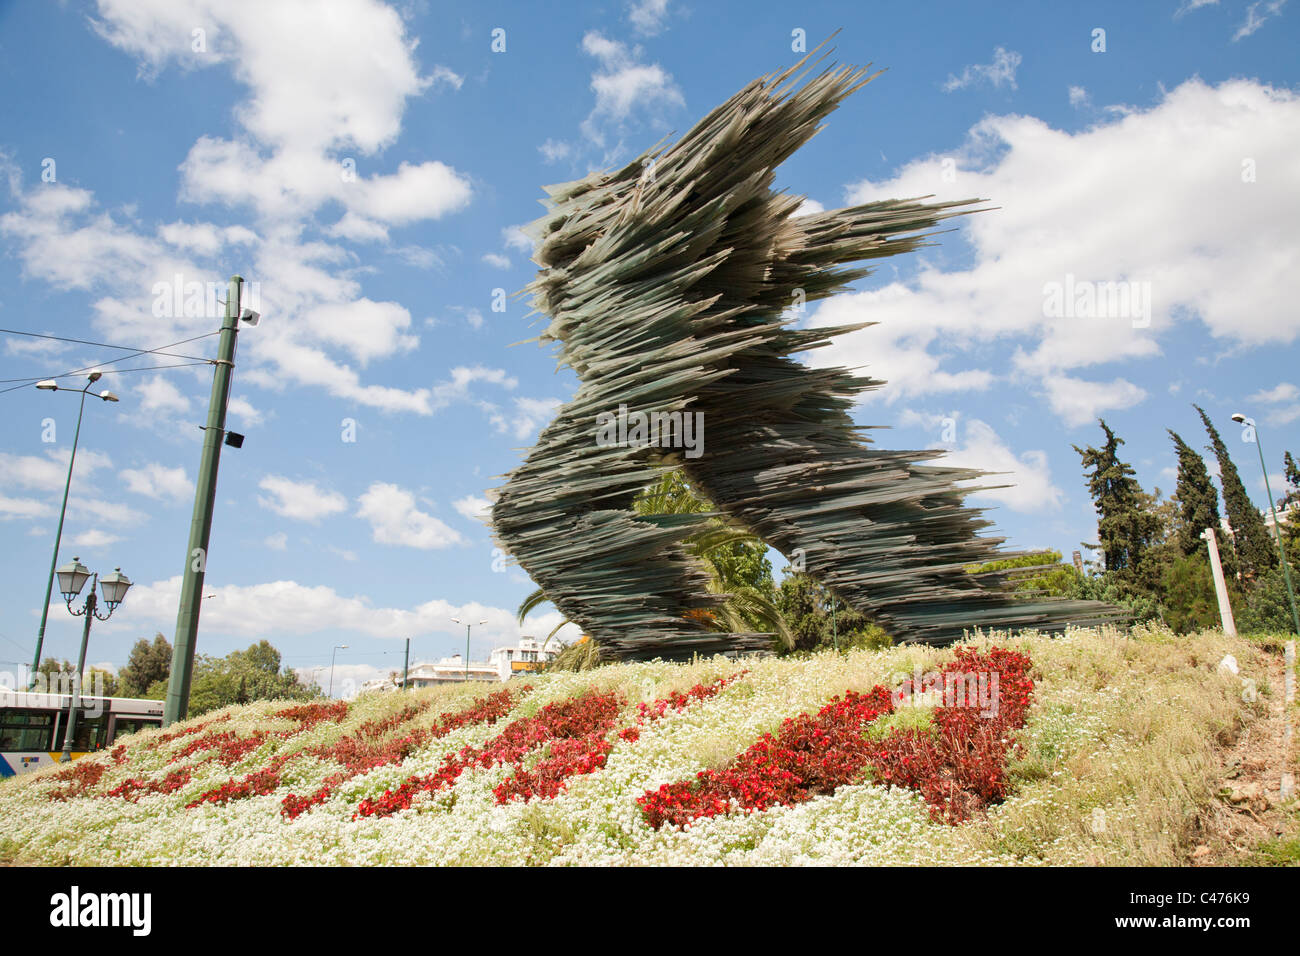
x=835, y=632
x=1220, y=588
x=406, y=665
x=205, y=494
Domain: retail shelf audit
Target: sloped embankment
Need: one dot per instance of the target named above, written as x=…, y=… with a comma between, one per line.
x=1089, y=748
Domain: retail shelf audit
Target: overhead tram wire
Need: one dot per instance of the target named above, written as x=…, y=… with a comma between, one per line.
x=110, y=371
x=132, y=353
x=109, y=345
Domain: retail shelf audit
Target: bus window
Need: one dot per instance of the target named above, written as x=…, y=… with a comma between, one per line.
x=130, y=725
x=91, y=733
x=25, y=730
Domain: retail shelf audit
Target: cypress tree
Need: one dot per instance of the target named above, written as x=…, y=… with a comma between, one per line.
x=1292, y=494
x=1198, y=502
x=1250, y=539
x=1125, y=530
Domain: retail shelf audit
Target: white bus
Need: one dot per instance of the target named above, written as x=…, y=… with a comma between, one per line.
x=32, y=726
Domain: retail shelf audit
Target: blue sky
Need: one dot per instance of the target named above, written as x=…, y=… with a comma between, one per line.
x=368, y=168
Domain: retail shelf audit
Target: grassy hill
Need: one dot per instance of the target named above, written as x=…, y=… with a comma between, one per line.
x=1126, y=748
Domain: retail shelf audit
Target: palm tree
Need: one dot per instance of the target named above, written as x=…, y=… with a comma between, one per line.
x=717, y=544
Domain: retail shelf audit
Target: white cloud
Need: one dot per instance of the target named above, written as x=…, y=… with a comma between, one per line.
x=49, y=472
x=418, y=257
x=1256, y=15
x=395, y=519
x=366, y=329
x=894, y=350
x=1282, y=392
x=1001, y=71
x=287, y=607
x=242, y=409
x=462, y=377
x=358, y=229
x=300, y=500
x=1079, y=402
x=474, y=507
x=33, y=347
x=808, y=207
x=1028, y=474
x=1079, y=97
x=497, y=260
x=23, y=508
x=427, y=191
x=554, y=150
x=515, y=238
x=202, y=237
x=623, y=86
x=94, y=538
x=307, y=85
x=528, y=415
x=1081, y=204
x=158, y=481
x=647, y=16
x=160, y=395
x=323, y=94
x=276, y=542
x=1189, y=5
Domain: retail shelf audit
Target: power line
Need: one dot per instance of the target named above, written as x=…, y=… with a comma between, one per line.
x=132, y=353
x=114, y=371
x=108, y=345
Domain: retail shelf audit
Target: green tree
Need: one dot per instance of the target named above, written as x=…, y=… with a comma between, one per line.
x=1188, y=600
x=100, y=682
x=49, y=672
x=239, y=678
x=1250, y=540
x=148, y=663
x=1198, y=502
x=1291, y=495
x=1267, y=608
x=816, y=619
x=737, y=561
x=1127, y=525
x=1044, y=573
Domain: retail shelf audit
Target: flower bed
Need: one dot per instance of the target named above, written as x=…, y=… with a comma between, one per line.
x=959, y=768
x=82, y=776
x=587, y=754
x=962, y=766
x=1131, y=725
x=808, y=755
x=590, y=713
x=365, y=749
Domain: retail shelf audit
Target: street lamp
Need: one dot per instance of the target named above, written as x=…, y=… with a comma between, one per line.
x=337, y=648
x=1241, y=419
x=456, y=620
x=72, y=578
x=49, y=385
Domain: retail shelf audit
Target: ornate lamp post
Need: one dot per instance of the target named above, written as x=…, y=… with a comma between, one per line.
x=72, y=578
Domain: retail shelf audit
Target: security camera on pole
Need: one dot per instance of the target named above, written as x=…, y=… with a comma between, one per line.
x=205, y=494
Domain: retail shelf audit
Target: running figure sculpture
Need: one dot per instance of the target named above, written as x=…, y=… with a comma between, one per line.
x=669, y=286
